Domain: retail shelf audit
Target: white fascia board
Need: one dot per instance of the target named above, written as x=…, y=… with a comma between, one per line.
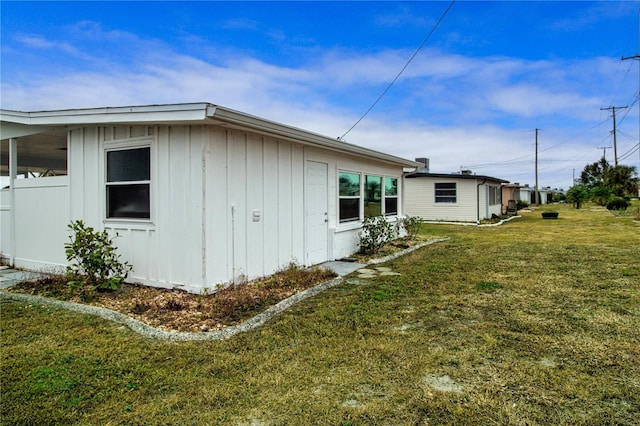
x=110, y=115
x=245, y=121
x=9, y=130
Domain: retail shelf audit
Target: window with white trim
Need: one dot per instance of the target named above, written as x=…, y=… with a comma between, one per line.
x=349, y=196
x=372, y=196
x=128, y=183
x=390, y=196
x=495, y=195
x=445, y=192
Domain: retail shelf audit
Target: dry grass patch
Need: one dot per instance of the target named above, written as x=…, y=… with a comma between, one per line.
x=181, y=311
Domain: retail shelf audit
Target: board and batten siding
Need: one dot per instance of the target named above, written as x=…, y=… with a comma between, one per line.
x=225, y=205
x=254, y=198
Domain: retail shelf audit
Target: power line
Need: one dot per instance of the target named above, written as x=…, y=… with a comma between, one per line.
x=401, y=71
x=516, y=160
x=615, y=148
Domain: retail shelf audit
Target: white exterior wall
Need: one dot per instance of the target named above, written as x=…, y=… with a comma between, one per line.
x=226, y=205
x=471, y=200
x=344, y=237
x=490, y=209
x=420, y=200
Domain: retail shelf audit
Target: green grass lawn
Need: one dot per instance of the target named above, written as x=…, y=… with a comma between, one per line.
x=532, y=322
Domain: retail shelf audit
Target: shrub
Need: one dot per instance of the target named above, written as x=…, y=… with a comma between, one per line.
x=521, y=204
x=600, y=195
x=93, y=260
x=577, y=194
x=376, y=232
x=618, y=203
x=411, y=225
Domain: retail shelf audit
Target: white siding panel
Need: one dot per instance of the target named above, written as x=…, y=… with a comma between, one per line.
x=194, y=190
x=161, y=204
x=255, y=203
x=76, y=167
x=218, y=215
x=179, y=205
x=297, y=208
x=285, y=204
x=90, y=201
x=237, y=158
x=271, y=205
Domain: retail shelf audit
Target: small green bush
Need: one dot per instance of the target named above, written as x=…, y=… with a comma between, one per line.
x=521, y=204
x=411, y=225
x=618, y=203
x=93, y=260
x=376, y=232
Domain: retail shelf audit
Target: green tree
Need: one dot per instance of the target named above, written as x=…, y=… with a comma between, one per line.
x=593, y=174
x=600, y=194
x=621, y=180
x=577, y=195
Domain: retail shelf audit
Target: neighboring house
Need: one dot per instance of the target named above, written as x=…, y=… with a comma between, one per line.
x=510, y=192
x=528, y=194
x=198, y=194
x=456, y=197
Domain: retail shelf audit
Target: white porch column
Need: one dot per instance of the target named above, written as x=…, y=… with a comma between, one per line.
x=13, y=171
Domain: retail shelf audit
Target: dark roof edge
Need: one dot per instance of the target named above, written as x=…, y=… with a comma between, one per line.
x=454, y=176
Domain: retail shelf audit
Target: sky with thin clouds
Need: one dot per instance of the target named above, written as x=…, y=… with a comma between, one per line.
x=489, y=74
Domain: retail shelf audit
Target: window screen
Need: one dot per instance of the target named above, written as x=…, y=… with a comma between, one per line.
x=128, y=183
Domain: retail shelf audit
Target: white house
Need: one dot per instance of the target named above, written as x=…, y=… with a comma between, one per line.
x=528, y=194
x=199, y=195
x=455, y=197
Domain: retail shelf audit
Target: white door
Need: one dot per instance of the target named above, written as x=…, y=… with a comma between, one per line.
x=316, y=211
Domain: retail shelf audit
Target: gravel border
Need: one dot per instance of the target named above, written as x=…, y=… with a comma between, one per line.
x=181, y=336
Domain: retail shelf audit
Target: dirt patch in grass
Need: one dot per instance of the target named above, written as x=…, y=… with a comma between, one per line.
x=177, y=310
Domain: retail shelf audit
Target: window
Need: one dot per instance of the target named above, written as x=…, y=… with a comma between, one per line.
x=349, y=196
x=128, y=183
x=378, y=195
x=445, y=192
x=372, y=196
x=495, y=195
x=390, y=196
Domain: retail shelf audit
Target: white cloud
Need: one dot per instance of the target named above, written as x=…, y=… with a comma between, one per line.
x=456, y=110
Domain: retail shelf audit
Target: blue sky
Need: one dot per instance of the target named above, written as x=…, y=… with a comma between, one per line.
x=490, y=73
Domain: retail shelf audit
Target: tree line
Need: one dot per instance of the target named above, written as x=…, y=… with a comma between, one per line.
x=605, y=185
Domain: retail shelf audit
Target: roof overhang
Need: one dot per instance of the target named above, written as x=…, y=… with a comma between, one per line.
x=15, y=124
x=455, y=176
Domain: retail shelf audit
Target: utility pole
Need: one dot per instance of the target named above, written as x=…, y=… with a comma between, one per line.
x=637, y=58
x=537, y=193
x=615, y=145
x=604, y=151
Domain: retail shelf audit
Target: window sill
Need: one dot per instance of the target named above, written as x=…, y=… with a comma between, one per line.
x=145, y=224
